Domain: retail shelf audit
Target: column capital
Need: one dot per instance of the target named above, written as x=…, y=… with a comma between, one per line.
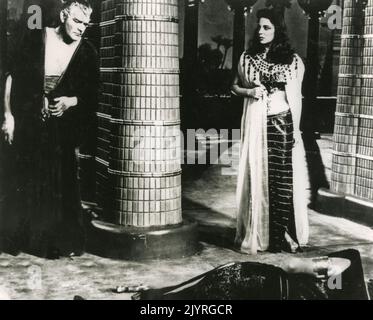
x=193, y=3
x=314, y=7
x=240, y=4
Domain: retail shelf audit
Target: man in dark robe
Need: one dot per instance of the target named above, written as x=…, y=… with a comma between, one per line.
x=50, y=102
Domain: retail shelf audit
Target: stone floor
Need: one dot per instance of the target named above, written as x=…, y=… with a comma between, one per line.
x=208, y=197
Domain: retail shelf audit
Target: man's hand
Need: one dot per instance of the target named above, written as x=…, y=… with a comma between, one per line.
x=8, y=128
x=63, y=103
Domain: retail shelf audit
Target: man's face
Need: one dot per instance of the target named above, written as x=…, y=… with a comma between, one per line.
x=76, y=22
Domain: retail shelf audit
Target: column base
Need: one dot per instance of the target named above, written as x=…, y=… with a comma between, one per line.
x=119, y=242
x=344, y=206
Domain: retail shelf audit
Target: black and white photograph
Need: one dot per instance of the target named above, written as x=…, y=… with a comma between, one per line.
x=214, y=150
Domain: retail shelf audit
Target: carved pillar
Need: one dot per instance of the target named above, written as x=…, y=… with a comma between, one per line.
x=348, y=103
x=364, y=151
x=144, y=159
x=238, y=35
x=138, y=155
x=189, y=67
x=351, y=191
x=314, y=8
x=190, y=40
x=240, y=8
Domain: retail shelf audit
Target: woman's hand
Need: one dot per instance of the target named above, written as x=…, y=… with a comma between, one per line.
x=8, y=127
x=63, y=104
x=257, y=92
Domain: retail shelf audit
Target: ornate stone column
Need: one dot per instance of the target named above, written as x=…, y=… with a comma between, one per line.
x=190, y=40
x=315, y=9
x=364, y=150
x=351, y=192
x=240, y=8
x=346, y=128
x=138, y=156
x=189, y=65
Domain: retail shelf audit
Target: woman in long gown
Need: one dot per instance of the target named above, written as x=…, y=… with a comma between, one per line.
x=272, y=182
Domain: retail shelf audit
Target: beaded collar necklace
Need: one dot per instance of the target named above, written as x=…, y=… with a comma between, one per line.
x=268, y=72
x=273, y=76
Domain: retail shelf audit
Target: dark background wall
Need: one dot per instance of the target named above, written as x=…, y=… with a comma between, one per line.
x=214, y=20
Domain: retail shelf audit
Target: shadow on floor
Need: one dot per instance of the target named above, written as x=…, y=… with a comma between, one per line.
x=315, y=166
x=213, y=227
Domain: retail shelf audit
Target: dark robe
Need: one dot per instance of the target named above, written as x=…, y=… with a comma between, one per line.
x=43, y=213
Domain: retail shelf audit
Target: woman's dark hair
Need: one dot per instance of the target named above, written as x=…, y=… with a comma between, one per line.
x=280, y=50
